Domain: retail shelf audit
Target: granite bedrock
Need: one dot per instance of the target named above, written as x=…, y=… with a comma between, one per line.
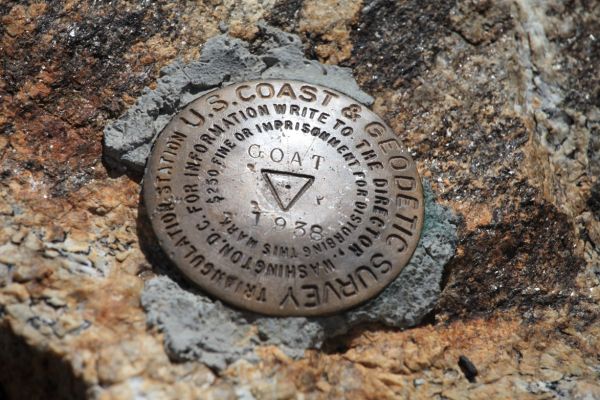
x=195, y=326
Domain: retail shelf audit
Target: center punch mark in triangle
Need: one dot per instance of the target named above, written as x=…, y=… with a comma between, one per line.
x=287, y=187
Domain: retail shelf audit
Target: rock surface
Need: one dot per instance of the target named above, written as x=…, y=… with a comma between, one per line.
x=497, y=100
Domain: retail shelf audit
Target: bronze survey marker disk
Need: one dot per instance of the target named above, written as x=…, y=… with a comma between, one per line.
x=284, y=198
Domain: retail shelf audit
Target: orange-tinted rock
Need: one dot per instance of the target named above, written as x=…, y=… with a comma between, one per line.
x=498, y=102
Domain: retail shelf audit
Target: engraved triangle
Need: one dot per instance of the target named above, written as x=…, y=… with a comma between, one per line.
x=287, y=187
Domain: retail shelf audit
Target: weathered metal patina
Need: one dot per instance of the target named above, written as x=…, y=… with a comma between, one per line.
x=284, y=198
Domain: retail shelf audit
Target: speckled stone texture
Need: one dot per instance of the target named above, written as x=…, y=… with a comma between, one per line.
x=497, y=100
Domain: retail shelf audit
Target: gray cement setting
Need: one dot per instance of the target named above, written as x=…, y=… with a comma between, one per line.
x=224, y=60
x=199, y=328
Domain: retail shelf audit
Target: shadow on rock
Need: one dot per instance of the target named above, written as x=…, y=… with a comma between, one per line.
x=27, y=372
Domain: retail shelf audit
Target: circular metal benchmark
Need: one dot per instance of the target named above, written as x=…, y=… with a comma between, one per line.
x=284, y=198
